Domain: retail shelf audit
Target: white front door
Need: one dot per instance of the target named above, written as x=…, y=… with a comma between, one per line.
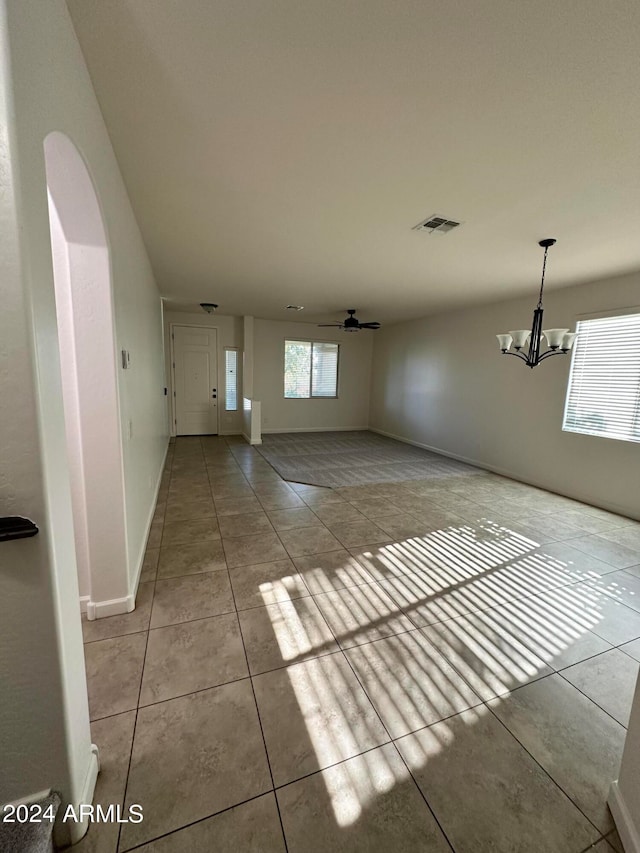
x=195, y=363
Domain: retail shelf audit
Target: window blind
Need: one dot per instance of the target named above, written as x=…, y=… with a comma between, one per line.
x=310, y=369
x=231, y=380
x=297, y=369
x=324, y=374
x=603, y=396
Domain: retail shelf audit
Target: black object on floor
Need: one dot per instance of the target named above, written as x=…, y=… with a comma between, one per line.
x=16, y=527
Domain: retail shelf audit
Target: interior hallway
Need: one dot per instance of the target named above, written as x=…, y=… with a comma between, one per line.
x=420, y=666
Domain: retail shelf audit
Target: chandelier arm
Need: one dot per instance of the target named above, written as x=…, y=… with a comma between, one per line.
x=551, y=352
x=517, y=355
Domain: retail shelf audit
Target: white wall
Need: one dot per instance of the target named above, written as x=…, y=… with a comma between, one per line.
x=53, y=92
x=45, y=86
x=248, y=338
x=229, y=335
x=266, y=350
x=66, y=340
x=251, y=407
x=86, y=335
x=44, y=720
x=442, y=382
x=624, y=798
x=349, y=411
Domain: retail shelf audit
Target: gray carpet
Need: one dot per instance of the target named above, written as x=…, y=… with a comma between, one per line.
x=352, y=458
x=30, y=837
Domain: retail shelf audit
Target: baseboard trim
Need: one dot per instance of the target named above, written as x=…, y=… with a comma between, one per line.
x=118, y=606
x=628, y=832
x=503, y=472
x=248, y=440
x=316, y=429
x=156, y=491
x=28, y=799
x=438, y=450
x=111, y=607
x=70, y=832
x=79, y=829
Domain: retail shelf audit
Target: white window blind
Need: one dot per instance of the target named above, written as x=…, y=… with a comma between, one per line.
x=603, y=397
x=310, y=369
x=231, y=380
x=324, y=373
x=297, y=369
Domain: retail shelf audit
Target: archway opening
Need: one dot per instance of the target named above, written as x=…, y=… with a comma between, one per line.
x=84, y=309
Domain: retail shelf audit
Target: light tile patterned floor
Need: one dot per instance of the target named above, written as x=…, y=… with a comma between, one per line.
x=414, y=666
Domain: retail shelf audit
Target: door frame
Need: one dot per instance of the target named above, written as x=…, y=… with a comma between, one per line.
x=174, y=414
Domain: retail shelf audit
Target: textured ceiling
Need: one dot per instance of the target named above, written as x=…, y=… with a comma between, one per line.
x=280, y=151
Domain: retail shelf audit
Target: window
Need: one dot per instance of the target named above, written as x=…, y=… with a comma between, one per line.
x=603, y=397
x=231, y=379
x=310, y=369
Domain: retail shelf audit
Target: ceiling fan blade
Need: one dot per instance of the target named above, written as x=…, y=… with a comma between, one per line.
x=369, y=325
x=329, y=325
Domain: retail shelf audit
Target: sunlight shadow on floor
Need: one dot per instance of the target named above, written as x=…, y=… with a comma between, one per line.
x=494, y=610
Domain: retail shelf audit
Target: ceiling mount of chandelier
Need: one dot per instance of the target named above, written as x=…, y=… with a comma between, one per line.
x=558, y=341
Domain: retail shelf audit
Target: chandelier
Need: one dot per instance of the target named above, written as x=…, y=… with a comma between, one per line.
x=558, y=341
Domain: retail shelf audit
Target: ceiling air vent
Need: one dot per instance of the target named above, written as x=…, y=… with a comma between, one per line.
x=436, y=225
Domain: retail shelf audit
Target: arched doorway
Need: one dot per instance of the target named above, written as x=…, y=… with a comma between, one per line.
x=88, y=350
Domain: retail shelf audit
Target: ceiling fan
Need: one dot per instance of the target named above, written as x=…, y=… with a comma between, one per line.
x=352, y=324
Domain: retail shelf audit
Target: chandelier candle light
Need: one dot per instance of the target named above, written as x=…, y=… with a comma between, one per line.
x=559, y=341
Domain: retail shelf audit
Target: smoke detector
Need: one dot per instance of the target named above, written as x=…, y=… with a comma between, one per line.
x=436, y=225
x=209, y=307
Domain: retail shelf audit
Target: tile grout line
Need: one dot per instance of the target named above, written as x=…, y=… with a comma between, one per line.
x=463, y=615
x=144, y=659
x=546, y=772
x=310, y=507
x=330, y=652
x=137, y=709
x=403, y=610
x=345, y=657
x=194, y=823
x=135, y=726
x=604, y=710
x=490, y=710
x=592, y=847
x=399, y=754
x=255, y=701
x=171, y=698
x=364, y=752
x=485, y=703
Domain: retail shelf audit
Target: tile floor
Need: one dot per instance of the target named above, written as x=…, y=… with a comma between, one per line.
x=432, y=665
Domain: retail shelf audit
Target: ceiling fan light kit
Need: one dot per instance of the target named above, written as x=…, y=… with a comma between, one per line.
x=558, y=341
x=351, y=324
